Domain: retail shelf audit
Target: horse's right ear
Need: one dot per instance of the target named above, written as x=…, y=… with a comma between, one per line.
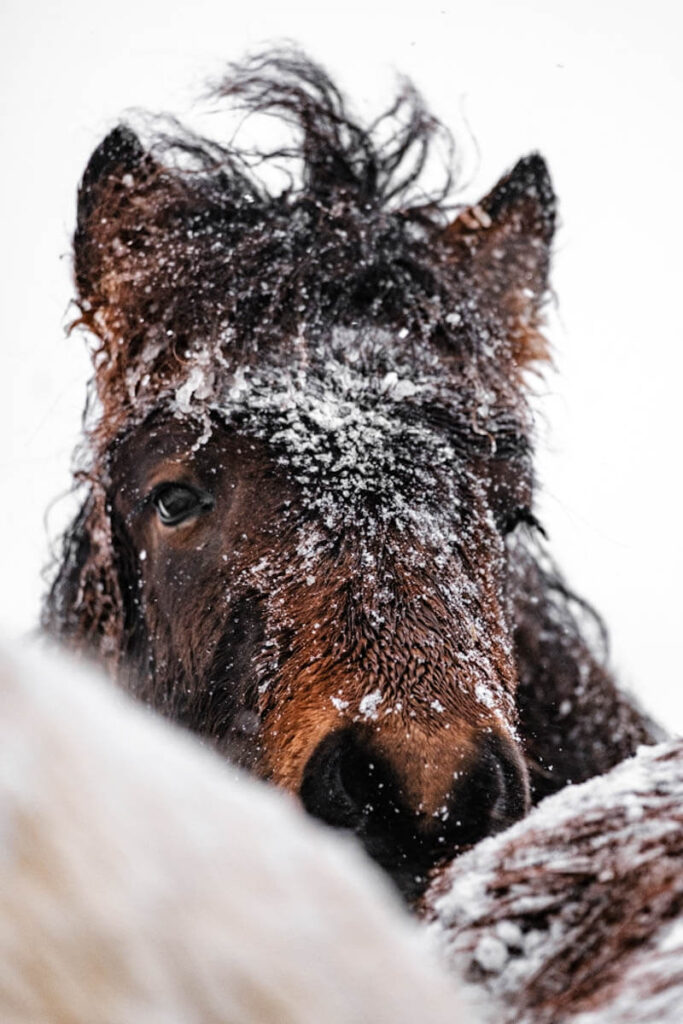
x=118, y=154
x=118, y=163
x=505, y=240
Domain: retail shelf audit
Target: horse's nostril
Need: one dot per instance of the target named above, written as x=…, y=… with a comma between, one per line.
x=346, y=784
x=341, y=781
x=492, y=794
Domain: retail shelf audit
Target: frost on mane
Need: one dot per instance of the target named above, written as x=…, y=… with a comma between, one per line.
x=573, y=916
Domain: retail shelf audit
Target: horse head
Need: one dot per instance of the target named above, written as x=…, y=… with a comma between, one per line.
x=307, y=528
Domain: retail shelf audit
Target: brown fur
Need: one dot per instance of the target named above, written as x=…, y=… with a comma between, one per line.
x=577, y=910
x=356, y=608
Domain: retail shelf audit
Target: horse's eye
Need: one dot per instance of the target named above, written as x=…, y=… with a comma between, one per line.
x=177, y=502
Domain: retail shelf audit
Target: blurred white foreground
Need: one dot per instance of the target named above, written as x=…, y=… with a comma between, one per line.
x=142, y=880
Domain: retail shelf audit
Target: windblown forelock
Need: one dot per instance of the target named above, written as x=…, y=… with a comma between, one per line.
x=196, y=254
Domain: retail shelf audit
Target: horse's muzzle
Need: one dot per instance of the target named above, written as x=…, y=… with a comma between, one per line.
x=348, y=784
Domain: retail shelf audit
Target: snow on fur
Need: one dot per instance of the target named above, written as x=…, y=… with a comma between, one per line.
x=361, y=352
x=574, y=914
x=142, y=879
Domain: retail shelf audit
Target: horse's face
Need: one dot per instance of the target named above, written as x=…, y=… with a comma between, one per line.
x=311, y=456
x=324, y=576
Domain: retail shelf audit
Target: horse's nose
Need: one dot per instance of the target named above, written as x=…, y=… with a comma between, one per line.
x=343, y=783
x=348, y=784
x=491, y=793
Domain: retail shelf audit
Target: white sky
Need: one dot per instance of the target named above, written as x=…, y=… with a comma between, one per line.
x=596, y=86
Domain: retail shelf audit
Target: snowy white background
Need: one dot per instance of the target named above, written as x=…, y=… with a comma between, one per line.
x=596, y=86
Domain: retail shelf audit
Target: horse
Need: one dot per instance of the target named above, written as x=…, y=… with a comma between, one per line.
x=307, y=527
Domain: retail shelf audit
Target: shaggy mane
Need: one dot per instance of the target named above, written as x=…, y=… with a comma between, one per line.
x=188, y=238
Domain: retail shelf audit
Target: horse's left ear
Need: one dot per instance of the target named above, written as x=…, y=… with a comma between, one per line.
x=113, y=169
x=507, y=238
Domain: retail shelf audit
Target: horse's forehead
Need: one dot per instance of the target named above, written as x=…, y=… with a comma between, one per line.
x=347, y=420
x=348, y=388
x=329, y=375
x=351, y=414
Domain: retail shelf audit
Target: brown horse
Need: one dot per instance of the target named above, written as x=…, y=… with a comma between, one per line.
x=307, y=530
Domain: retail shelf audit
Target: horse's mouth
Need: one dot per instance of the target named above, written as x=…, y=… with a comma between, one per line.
x=411, y=864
